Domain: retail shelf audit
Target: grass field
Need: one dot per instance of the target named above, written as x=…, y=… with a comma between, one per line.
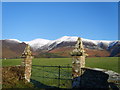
x=110, y=63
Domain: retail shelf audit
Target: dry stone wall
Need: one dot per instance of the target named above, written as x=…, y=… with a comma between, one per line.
x=21, y=72
x=95, y=78
x=12, y=74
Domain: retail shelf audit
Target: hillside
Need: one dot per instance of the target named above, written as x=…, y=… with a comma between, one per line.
x=12, y=48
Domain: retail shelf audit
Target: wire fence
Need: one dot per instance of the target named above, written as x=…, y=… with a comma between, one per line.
x=57, y=76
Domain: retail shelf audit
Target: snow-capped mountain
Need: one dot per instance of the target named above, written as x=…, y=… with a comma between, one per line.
x=37, y=43
x=68, y=40
x=63, y=44
x=53, y=43
x=44, y=43
x=97, y=42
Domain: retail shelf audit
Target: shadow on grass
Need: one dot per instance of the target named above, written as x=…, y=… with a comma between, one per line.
x=38, y=84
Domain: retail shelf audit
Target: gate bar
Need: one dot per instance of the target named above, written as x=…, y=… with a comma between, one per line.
x=53, y=66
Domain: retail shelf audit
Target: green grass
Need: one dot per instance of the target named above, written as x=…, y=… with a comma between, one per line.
x=109, y=63
x=11, y=62
x=49, y=76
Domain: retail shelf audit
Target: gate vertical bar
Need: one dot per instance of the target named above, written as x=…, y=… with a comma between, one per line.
x=59, y=76
x=43, y=75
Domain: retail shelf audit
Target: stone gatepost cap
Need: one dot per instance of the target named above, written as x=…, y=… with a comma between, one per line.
x=27, y=52
x=79, y=49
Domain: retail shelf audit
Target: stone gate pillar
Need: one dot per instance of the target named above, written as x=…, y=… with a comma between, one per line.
x=78, y=62
x=27, y=62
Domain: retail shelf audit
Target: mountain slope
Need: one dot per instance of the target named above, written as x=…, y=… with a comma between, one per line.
x=12, y=48
x=65, y=51
x=37, y=43
x=70, y=41
x=60, y=47
x=114, y=49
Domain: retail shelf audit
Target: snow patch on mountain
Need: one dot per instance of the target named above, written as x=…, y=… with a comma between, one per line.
x=65, y=39
x=13, y=40
x=113, y=43
x=37, y=43
x=49, y=44
x=54, y=43
x=97, y=42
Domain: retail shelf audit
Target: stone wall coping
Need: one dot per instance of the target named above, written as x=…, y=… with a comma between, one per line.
x=99, y=69
x=95, y=69
x=113, y=76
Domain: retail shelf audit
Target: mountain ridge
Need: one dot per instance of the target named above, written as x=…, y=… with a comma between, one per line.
x=39, y=46
x=64, y=38
x=59, y=40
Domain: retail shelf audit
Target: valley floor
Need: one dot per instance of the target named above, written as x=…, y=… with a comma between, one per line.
x=47, y=75
x=110, y=63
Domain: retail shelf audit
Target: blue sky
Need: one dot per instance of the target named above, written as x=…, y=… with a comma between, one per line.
x=30, y=20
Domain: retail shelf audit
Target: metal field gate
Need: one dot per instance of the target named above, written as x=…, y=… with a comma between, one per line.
x=53, y=76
